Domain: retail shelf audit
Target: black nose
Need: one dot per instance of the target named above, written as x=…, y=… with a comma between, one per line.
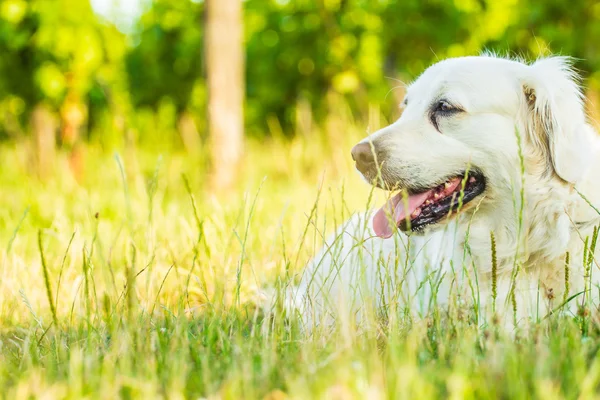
x=363, y=155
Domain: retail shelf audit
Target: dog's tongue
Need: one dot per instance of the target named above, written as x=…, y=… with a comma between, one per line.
x=393, y=212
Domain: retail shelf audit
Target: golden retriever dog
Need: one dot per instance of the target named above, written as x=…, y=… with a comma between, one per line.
x=493, y=174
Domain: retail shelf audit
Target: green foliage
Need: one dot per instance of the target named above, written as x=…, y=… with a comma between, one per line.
x=303, y=50
x=53, y=49
x=167, y=60
x=306, y=52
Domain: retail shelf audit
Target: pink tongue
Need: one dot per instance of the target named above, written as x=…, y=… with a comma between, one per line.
x=394, y=212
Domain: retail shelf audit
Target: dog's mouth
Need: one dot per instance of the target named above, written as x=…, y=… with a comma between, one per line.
x=416, y=211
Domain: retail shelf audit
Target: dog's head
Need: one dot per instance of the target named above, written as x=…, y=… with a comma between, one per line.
x=471, y=127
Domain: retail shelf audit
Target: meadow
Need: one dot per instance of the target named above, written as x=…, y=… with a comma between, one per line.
x=124, y=274
x=137, y=282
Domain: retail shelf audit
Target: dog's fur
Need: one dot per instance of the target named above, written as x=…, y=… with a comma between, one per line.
x=515, y=117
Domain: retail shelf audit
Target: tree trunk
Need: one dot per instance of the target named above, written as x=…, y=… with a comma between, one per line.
x=225, y=79
x=44, y=126
x=73, y=115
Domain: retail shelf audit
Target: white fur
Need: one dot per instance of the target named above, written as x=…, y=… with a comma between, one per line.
x=358, y=274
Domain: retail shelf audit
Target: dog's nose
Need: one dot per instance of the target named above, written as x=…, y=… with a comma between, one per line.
x=363, y=156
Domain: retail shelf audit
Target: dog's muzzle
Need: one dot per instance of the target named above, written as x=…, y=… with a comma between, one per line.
x=364, y=157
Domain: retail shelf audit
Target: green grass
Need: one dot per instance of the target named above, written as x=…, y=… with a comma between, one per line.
x=138, y=282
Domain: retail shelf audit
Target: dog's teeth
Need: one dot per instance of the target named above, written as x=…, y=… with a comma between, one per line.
x=437, y=196
x=447, y=185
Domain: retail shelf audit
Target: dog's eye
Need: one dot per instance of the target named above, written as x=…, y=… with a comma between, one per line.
x=441, y=109
x=444, y=106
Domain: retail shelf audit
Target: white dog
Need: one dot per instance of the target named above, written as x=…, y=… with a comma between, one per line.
x=485, y=148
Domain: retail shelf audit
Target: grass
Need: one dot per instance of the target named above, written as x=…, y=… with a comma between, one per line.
x=139, y=283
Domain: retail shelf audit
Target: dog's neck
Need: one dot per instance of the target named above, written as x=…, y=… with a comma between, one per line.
x=537, y=231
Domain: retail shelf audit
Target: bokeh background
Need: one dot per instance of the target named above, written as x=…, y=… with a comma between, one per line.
x=110, y=72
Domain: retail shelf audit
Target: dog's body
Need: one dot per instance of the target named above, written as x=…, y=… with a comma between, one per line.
x=485, y=148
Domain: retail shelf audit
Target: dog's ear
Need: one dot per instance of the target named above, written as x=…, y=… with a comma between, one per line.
x=555, y=117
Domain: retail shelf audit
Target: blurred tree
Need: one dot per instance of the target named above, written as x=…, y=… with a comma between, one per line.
x=300, y=52
x=165, y=64
x=350, y=48
x=308, y=60
x=53, y=56
x=225, y=81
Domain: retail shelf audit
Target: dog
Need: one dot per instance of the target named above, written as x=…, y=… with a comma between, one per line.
x=493, y=174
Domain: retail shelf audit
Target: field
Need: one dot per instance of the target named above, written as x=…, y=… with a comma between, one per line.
x=138, y=282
